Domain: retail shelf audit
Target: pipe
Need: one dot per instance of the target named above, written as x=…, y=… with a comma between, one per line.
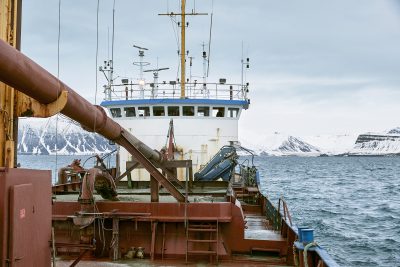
x=23, y=74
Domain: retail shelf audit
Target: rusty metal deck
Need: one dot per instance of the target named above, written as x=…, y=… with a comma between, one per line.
x=144, y=198
x=239, y=261
x=257, y=227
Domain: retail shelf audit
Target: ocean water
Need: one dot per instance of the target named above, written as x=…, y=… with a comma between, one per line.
x=54, y=163
x=353, y=203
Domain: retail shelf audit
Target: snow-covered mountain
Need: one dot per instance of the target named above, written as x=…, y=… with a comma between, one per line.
x=279, y=144
x=58, y=135
x=394, y=131
x=38, y=136
x=377, y=143
x=332, y=144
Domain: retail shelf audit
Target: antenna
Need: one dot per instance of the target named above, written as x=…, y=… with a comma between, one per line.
x=109, y=64
x=242, y=66
x=247, y=64
x=112, y=41
x=209, y=41
x=141, y=64
x=160, y=69
x=205, y=70
x=140, y=48
x=183, y=24
x=154, y=89
x=209, y=45
x=190, y=68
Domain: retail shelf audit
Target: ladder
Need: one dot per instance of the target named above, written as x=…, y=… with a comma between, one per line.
x=202, y=238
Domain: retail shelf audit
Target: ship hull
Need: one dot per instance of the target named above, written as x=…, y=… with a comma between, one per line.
x=214, y=228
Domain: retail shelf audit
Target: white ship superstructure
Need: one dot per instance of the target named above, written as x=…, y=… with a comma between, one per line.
x=205, y=115
x=201, y=125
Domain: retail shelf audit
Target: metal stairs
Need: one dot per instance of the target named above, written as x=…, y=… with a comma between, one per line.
x=202, y=238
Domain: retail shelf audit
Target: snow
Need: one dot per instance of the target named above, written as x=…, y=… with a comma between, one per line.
x=377, y=144
x=394, y=131
x=333, y=144
x=65, y=137
x=280, y=144
x=58, y=135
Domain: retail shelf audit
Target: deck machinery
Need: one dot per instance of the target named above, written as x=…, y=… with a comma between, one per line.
x=162, y=220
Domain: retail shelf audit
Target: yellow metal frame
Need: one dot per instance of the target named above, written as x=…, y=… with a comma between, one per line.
x=9, y=32
x=28, y=107
x=14, y=104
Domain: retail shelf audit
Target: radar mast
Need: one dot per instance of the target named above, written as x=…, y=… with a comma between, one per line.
x=183, y=26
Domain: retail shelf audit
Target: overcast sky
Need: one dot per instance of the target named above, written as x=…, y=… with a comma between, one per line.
x=317, y=67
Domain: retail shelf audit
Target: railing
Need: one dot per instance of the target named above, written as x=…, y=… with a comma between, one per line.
x=286, y=214
x=135, y=91
x=282, y=222
x=274, y=215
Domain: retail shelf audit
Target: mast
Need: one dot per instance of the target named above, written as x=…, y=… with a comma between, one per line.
x=183, y=51
x=141, y=64
x=183, y=25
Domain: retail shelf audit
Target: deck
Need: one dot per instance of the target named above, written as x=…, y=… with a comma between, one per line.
x=241, y=233
x=257, y=227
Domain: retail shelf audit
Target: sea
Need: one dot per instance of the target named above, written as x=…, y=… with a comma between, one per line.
x=352, y=203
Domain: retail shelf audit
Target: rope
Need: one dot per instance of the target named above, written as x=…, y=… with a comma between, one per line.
x=176, y=35
x=97, y=58
x=58, y=76
x=312, y=244
x=95, y=118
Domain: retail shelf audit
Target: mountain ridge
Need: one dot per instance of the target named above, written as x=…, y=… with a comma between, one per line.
x=365, y=144
x=62, y=136
x=58, y=135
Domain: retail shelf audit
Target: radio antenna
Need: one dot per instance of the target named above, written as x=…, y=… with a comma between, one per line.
x=209, y=42
x=112, y=40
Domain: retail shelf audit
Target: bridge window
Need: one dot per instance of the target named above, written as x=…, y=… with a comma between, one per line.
x=158, y=111
x=203, y=111
x=173, y=111
x=218, y=112
x=188, y=110
x=233, y=112
x=130, y=112
x=115, y=112
x=144, y=111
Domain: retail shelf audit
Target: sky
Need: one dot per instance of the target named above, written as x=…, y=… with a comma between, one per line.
x=316, y=67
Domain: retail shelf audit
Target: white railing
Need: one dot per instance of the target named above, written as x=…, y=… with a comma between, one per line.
x=166, y=90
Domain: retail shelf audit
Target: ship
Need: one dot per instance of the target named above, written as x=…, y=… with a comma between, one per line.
x=175, y=199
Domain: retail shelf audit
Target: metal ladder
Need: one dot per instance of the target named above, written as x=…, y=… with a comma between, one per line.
x=203, y=238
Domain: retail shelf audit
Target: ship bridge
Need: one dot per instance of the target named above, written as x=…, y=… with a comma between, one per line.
x=204, y=120
x=210, y=100
x=170, y=107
